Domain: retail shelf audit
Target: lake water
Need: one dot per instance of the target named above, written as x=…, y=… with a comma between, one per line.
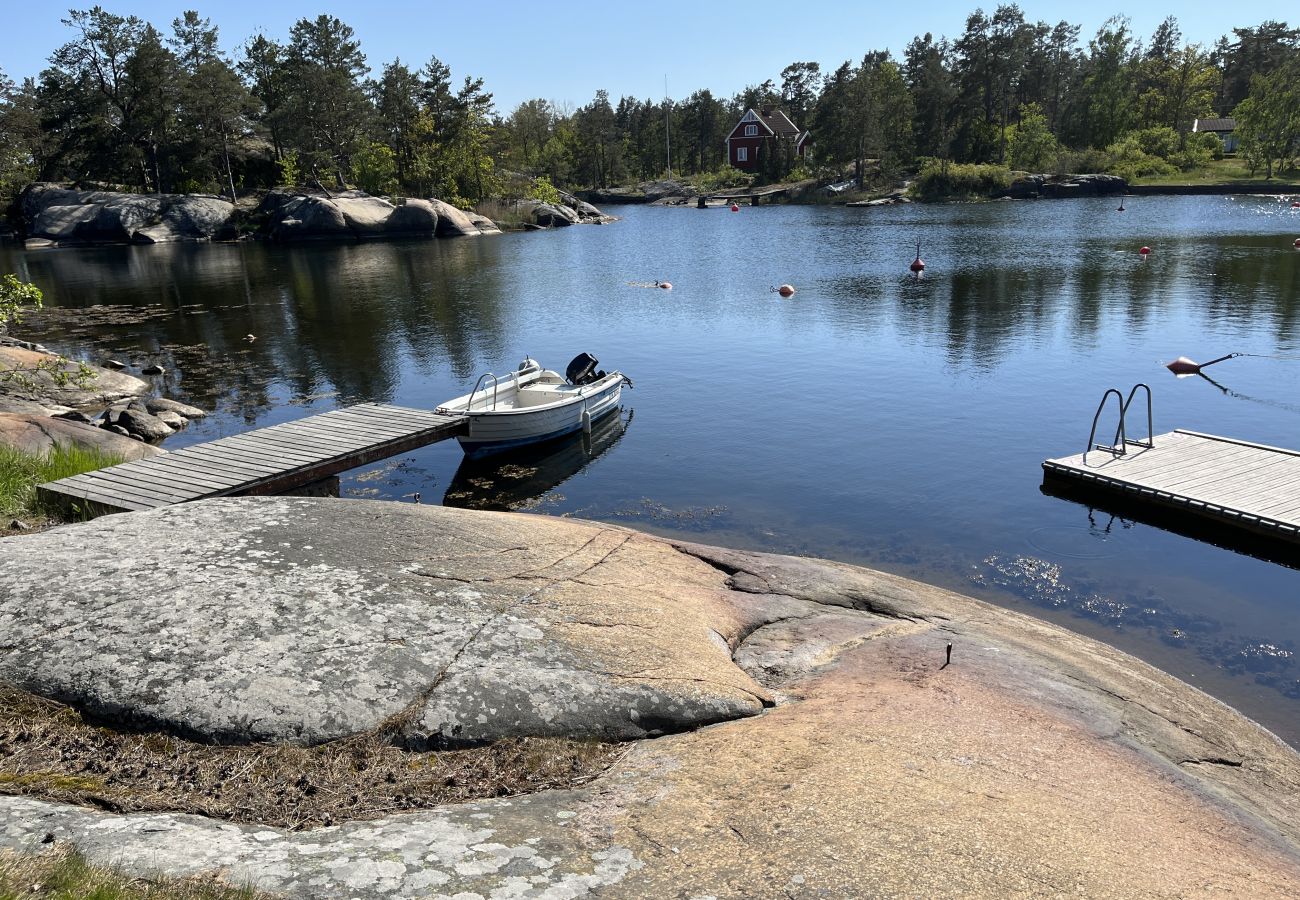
x=873, y=418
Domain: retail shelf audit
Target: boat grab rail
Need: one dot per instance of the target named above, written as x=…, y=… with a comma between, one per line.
x=469, y=404
x=1121, y=443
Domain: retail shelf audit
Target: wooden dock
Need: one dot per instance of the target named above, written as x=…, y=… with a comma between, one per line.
x=264, y=461
x=1218, y=480
x=702, y=202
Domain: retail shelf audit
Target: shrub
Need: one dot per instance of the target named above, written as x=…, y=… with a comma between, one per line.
x=1130, y=161
x=374, y=168
x=290, y=170
x=542, y=189
x=726, y=177
x=939, y=179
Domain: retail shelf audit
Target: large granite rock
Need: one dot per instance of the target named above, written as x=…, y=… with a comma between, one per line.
x=55, y=216
x=414, y=217
x=39, y=390
x=1036, y=762
x=288, y=216
x=39, y=434
x=1027, y=187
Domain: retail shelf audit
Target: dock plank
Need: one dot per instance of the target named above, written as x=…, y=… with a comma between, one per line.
x=266, y=460
x=1227, y=481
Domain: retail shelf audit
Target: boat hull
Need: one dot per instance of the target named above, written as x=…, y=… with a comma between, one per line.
x=492, y=431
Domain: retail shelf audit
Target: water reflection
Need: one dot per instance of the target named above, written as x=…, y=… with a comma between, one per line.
x=519, y=479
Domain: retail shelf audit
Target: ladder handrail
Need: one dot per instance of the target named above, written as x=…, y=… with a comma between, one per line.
x=1149, y=442
x=1092, y=435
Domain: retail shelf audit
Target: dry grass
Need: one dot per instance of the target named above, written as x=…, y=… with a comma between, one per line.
x=63, y=874
x=47, y=750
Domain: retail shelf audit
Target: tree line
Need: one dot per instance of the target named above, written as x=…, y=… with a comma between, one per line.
x=125, y=104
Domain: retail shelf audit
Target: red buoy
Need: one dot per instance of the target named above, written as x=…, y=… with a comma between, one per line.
x=918, y=264
x=1296, y=205
x=786, y=290
x=666, y=285
x=735, y=208
x=1144, y=251
x=1183, y=366
x=1297, y=243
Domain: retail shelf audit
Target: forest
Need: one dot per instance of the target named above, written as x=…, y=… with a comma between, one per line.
x=126, y=104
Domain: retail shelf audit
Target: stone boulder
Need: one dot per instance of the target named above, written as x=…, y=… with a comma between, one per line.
x=413, y=217
x=139, y=423
x=1027, y=187
x=367, y=216
x=189, y=218
x=40, y=389
x=38, y=434
x=453, y=222
x=159, y=405
x=53, y=216
x=355, y=215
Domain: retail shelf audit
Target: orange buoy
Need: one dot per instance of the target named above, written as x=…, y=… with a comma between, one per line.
x=666, y=285
x=786, y=290
x=1297, y=243
x=1145, y=251
x=735, y=208
x=1183, y=366
x=1296, y=205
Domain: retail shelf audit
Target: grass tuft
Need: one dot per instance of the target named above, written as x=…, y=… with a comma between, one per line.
x=61, y=873
x=21, y=472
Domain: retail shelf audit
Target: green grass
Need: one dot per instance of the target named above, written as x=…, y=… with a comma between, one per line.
x=21, y=472
x=1229, y=170
x=64, y=874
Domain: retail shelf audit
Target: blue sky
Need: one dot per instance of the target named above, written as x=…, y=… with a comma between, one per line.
x=564, y=52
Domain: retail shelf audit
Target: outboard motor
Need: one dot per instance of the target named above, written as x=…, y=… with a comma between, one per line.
x=582, y=370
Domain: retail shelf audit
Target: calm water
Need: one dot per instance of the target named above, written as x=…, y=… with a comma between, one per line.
x=873, y=418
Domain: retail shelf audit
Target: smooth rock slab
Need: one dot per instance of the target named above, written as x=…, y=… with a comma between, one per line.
x=1038, y=763
x=301, y=620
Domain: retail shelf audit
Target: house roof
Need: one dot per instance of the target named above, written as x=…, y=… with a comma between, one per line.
x=779, y=122
x=1224, y=124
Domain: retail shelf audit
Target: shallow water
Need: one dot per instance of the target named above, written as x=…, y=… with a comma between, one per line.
x=872, y=418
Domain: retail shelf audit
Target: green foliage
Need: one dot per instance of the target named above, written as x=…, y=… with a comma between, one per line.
x=1130, y=161
x=726, y=177
x=1032, y=147
x=940, y=179
x=1074, y=162
x=374, y=169
x=542, y=189
x=21, y=472
x=14, y=295
x=1268, y=121
x=290, y=171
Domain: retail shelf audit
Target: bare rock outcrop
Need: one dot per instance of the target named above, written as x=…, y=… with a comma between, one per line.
x=56, y=216
x=1029, y=761
x=39, y=434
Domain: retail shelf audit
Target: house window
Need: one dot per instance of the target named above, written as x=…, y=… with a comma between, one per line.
x=742, y=154
x=751, y=130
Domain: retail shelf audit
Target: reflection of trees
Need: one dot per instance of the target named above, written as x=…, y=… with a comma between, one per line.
x=341, y=316
x=991, y=303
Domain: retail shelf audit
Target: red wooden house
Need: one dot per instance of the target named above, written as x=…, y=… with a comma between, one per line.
x=756, y=127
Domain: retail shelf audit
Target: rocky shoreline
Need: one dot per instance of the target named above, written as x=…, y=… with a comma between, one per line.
x=794, y=727
x=50, y=215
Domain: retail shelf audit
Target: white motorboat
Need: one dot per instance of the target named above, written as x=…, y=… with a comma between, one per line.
x=533, y=404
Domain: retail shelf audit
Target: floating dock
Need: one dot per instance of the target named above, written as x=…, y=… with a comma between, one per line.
x=264, y=461
x=1219, y=480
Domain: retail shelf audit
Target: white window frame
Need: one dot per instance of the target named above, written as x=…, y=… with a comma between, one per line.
x=751, y=131
x=742, y=154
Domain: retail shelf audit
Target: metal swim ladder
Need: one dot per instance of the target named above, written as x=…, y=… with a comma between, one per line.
x=1119, y=447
